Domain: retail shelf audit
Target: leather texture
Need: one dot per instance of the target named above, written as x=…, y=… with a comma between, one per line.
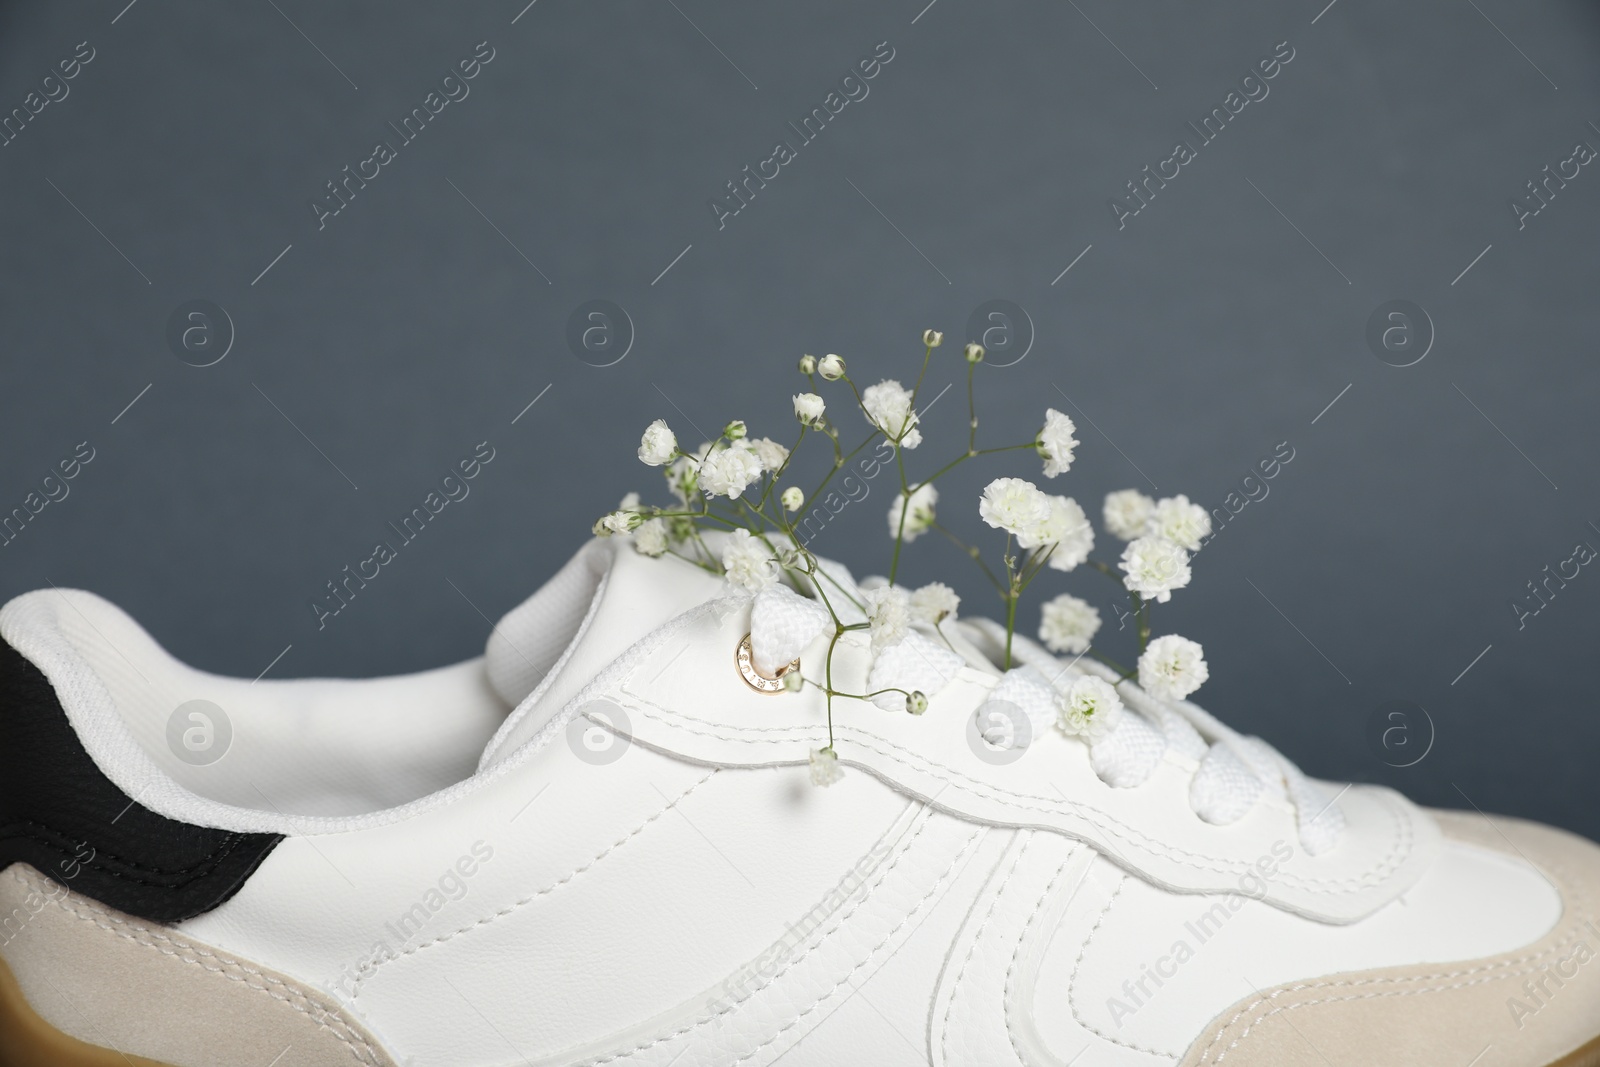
x=1528, y=1006
x=112, y=980
x=1156, y=967
x=981, y=1013
x=60, y=814
x=715, y=870
x=643, y=874
x=680, y=697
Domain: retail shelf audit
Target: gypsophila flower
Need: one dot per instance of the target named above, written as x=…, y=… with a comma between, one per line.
x=1088, y=709
x=793, y=682
x=831, y=367
x=1154, y=567
x=729, y=471
x=735, y=430
x=932, y=338
x=1015, y=506
x=917, y=702
x=921, y=515
x=1127, y=513
x=1068, y=624
x=748, y=562
x=934, y=602
x=888, y=407
x=974, y=352
x=825, y=769
x=658, y=445
x=1055, y=443
x=651, y=539
x=792, y=498
x=617, y=522
x=808, y=408
x=888, y=615
x=683, y=478
x=771, y=454
x=808, y=364
x=1172, y=667
x=1179, y=521
x=1066, y=527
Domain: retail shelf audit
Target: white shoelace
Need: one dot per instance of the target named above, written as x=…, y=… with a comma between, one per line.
x=1234, y=771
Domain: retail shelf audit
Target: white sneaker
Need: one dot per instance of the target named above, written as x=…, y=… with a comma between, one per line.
x=601, y=844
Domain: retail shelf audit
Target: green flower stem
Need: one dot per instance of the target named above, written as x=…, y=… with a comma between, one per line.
x=926, y=355
x=1113, y=664
x=1011, y=625
x=1036, y=563
x=1107, y=570
x=837, y=633
x=775, y=475
x=969, y=454
x=858, y=696
x=972, y=553
x=1141, y=615
x=840, y=461
x=710, y=568
x=843, y=592
x=905, y=508
x=695, y=515
x=846, y=379
x=972, y=411
x=1012, y=592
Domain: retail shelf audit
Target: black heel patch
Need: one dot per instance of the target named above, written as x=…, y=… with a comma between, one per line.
x=62, y=815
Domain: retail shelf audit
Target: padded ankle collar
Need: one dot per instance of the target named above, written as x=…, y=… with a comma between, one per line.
x=63, y=816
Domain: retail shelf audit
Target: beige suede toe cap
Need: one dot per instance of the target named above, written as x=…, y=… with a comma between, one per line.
x=1536, y=1006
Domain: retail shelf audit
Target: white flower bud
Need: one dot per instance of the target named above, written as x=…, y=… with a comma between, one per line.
x=793, y=498
x=793, y=682
x=974, y=352
x=808, y=364
x=932, y=338
x=831, y=367
x=917, y=702
x=658, y=445
x=735, y=430
x=825, y=769
x=809, y=408
x=617, y=522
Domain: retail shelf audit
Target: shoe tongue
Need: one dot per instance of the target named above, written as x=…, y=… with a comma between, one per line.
x=606, y=598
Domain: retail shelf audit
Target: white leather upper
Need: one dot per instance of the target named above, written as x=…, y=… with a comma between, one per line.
x=680, y=699
x=697, y=901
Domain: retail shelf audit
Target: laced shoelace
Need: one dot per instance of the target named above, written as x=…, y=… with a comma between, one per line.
x=1234, y=772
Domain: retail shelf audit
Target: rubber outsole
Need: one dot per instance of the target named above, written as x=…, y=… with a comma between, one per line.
x=26, y=1040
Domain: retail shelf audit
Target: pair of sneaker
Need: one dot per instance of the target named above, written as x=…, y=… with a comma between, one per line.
x=603, y=842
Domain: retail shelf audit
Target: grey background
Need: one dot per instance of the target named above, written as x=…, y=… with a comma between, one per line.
x=377, y=352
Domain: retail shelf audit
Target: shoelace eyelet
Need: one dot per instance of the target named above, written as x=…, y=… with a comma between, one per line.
x=754, y=678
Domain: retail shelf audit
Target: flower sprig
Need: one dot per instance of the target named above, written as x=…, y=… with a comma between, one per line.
x=736, y=485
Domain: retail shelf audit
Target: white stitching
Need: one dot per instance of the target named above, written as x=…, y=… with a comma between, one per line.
x=902, y=850
x=955, y=865
x=503, y=912
x=1507, y=966
x=358, y=1046
x=977, y=939
x=1072, y=982
x=1399, y=852
x=1016, y=955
